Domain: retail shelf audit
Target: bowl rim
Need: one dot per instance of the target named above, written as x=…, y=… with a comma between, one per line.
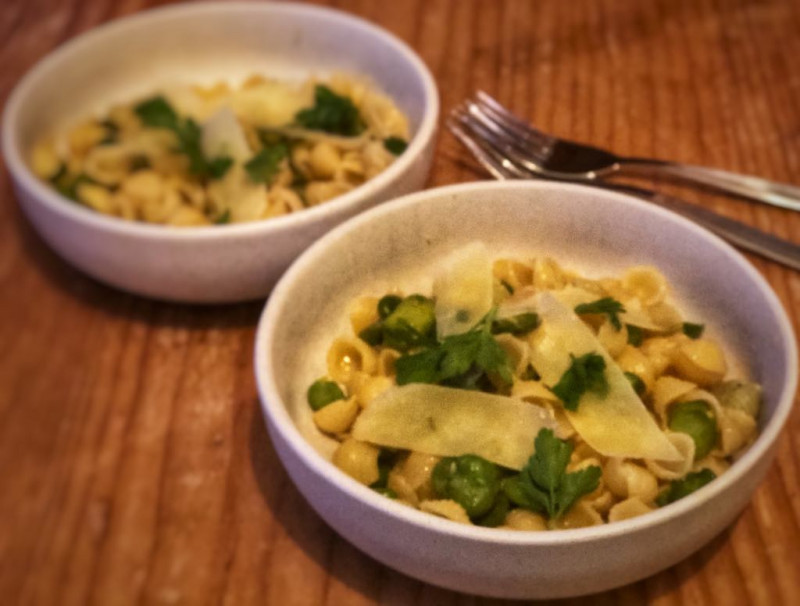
x=50, y=62
x=277, y=415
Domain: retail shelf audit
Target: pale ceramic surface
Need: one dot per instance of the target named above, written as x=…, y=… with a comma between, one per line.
x=596, y=231
x=193, y=44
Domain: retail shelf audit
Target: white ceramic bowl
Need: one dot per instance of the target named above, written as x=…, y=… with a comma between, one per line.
x=589, y=229
x=196, y=43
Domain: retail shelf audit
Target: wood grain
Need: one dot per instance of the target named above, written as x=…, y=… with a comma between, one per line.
x=135, y=466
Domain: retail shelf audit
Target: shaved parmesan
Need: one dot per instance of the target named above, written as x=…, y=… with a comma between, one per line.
x=223, y=136
x=463, y=289
x=451, y=422
x=271, y=103
x=616, y=424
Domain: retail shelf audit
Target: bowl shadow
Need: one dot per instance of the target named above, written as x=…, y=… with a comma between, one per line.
x=113, y=302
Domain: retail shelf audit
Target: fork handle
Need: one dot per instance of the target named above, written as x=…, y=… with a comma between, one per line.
x=740, y=234
x=754, y=188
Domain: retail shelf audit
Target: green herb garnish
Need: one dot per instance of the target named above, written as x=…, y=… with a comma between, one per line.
x=693, y=331
x=585, y=374
x=462, y=360
x=67, y=184
x=139, y=162
x=543, y=485
x=158, y=113
x=395, y=145
x=263, y=167
x=217, y=167
x=636, y=382
x=635, y=335
x=684, y=487
x=607, y=305
x=331, y=113
x=224, y=217
x=516, y=325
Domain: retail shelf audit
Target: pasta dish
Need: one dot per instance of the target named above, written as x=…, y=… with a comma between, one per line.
x=215, y=155
x=518, y=394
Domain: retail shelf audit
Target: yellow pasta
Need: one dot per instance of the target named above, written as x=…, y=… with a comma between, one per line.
x=646, y=283
x=522, y=519
x=256, y=151
x=446, y=508
x=627, y=509
x=700, y=361
x=357, y=459
x=471, y=381
x=338, y=416
x=348, y=356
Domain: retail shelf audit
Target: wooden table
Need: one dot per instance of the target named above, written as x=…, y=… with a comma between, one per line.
x=134, y=463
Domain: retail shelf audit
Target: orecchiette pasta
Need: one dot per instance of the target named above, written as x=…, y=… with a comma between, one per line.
x=629, y=508
x=446, y=508
x=522, y=519
x=400, y=398
x=646, y=284
x=257, y=151
x=348, y=356
x=625, y=479
x=359, y=460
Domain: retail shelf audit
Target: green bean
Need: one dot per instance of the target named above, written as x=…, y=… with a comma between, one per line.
x=469, y=480
x=497, y=514
x=696, y=419
x=322, y=392
x=412, y=323
x=741, y=395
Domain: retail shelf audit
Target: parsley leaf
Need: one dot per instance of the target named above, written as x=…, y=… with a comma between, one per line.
x=331, y=113
x=265, y=164
x=395, y=145
x=507, y=286
x=685, y=486
x=224, y=217
x=636, y=382
x=462, y=360
x=516, y=325
x=693, y=331
x=158, y=113
x=635, y=335
x=607, y=305
x=585, y=374
x=543, y=485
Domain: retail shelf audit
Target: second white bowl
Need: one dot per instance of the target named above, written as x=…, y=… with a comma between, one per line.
x=197, y=43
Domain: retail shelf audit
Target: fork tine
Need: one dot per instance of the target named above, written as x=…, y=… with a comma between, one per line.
x=511, y=121
x=486, y=156
x=504, y=143
x=508, y=139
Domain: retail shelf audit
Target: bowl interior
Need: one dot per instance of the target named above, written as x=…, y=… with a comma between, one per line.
x=596, y=232
x=205, y=43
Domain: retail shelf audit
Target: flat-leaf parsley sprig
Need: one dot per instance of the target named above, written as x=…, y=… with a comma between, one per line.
x=608, y=306
x=463, y=360
x=585, y=374
x=544, y=485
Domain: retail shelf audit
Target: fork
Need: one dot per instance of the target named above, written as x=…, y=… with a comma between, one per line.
x=559, y=158
x=494, y=159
